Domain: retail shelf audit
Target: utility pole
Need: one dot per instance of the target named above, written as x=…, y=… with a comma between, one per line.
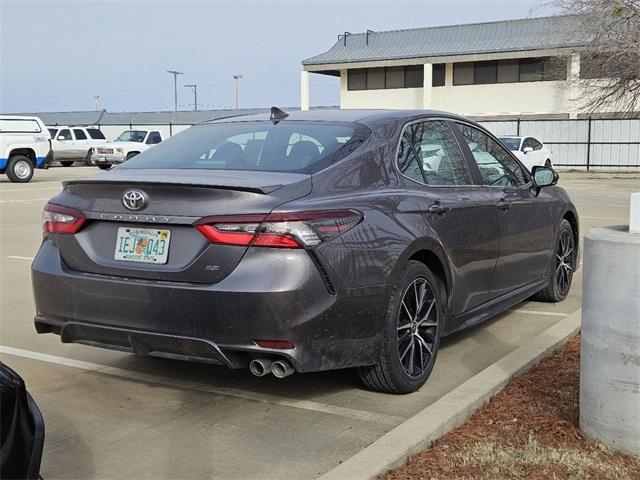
x=237, y=78
x=175, y=87
x=194, y=89
x=97, y=100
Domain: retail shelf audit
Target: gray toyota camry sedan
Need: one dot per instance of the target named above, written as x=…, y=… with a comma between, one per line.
x=302, y=242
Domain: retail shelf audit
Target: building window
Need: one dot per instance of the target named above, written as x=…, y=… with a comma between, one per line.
x=414, y=76
x=437, y=77
x=411, y=76
x=485, y=72
x=510, y=71
x=605, y=66
x=394, y=77
x=357, y=79
x=463, y=73
x=531, y=70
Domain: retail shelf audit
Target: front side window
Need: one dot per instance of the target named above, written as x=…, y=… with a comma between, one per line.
x=440, y=160
x=497, y=167
x=289, y=146
x=65, y=134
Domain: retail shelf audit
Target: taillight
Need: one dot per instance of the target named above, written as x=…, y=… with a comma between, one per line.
x=280, y=230
x=59, y=219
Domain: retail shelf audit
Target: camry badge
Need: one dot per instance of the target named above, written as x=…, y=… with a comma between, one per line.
x=134, y=199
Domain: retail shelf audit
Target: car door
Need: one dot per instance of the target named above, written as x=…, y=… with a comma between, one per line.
x=525, y=220
x=457, y=211
x=81, y=146
x=63, y=144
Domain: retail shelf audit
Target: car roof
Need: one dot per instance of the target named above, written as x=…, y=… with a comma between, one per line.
x=339, y=115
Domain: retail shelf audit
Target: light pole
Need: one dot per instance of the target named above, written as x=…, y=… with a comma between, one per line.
x=97, y=100
x=237, y=78
x=194, y=89
x=175, y=87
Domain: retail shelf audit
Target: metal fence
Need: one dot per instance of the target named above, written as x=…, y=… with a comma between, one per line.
x=582, y=143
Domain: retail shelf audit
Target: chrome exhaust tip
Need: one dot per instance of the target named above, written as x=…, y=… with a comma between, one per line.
x=281, y=369
x=260, y=367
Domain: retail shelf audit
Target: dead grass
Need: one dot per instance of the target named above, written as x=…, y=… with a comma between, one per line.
x=529, y=430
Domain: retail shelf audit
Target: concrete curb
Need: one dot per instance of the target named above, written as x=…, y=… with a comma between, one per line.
x=420, y=431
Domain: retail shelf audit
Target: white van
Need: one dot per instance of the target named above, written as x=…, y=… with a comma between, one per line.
x=25, y=144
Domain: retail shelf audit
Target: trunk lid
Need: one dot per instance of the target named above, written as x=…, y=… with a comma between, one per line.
x=175, y=199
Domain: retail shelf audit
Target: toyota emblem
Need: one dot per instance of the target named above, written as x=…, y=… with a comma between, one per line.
x=134, y=199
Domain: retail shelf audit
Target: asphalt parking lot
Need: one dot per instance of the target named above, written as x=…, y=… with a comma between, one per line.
x=114, y=415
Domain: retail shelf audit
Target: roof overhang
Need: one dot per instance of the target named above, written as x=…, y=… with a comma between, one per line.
x=334, y=68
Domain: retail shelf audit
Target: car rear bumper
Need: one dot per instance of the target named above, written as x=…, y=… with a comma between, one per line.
x=271, y=295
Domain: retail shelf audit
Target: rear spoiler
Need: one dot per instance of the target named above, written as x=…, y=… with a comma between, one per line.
x=262, y=190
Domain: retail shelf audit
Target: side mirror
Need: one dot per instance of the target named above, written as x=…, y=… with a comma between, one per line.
x=527, y=149
x=543, y=177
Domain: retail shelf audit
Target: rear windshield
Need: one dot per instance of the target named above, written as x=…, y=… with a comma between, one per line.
x=95, y=134
x=511, y=143
x=303, y=146
x=132, y=136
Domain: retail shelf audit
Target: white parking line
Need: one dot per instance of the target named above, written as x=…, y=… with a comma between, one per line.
x=204, y=387
x=603, y=218
x=59, y=187
x=535, y=312
x=18, y=257
x=26, y=200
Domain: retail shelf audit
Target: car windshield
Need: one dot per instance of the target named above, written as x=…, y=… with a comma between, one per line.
x=511, y=143
x=52, y=132
x=132, y=136
x=288, y=146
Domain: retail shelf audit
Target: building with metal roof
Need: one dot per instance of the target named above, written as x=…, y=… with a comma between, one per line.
x=525, y=67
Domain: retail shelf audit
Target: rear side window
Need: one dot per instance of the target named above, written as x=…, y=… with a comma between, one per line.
x=289, y=146
x=439, y=159
x=80, y=135
x=95, y=134
x=19, y=125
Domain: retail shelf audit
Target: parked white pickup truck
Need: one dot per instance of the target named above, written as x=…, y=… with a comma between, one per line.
x=128, y=144
x=25, y=144
x=70, y=144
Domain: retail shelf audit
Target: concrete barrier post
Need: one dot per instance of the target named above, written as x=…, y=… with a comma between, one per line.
x=610, y=362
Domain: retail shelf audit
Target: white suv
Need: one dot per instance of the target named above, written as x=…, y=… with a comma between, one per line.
x=70, y=144
x=128, y=144
x=25, y=144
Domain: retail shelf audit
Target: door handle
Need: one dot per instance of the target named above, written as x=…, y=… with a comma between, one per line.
x=503, y=204
x=438, y=209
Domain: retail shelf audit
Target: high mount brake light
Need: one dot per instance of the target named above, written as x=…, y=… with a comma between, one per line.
x=59, y=219
x=279, y=230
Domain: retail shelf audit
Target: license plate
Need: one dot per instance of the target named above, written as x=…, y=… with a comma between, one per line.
x=145, y=245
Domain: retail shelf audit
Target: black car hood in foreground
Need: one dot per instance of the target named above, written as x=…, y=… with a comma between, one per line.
x=22, y=429
x=251, y=181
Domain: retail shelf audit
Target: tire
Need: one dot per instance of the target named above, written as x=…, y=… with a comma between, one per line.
x=87, y=159
x=559, y=282
x=399, y=368
x=19, y=169
x=547, y=163
x=104, y=167
x=66, y=163
x=130, y=155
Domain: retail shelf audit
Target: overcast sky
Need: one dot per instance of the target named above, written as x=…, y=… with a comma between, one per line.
x=55, y=55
